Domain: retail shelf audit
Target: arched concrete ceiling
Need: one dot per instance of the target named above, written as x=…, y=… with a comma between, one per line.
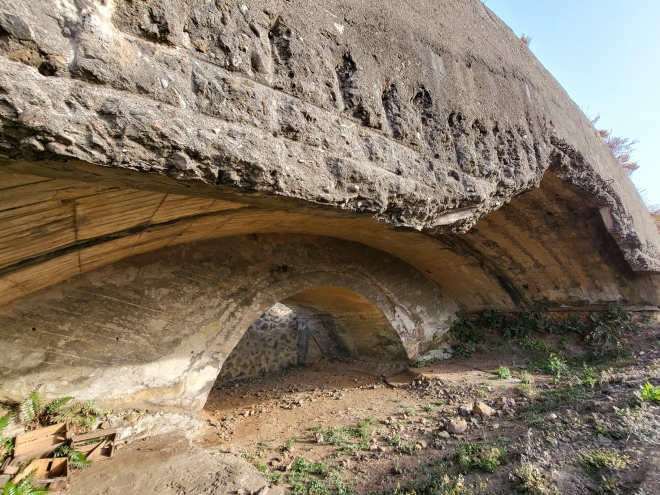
x=430, y=161
x=549, y=247
x=346, y=323
x=424, y=116
x=155, y=328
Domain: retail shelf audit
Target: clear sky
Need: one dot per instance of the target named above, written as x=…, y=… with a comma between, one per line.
x=606, y=55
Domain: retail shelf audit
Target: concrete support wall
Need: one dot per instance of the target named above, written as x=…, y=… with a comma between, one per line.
x=156, y=329
x=270, y=344
x=169, y=170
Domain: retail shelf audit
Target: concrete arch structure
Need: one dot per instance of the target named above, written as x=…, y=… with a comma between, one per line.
x=155, y=329
x=433, y=161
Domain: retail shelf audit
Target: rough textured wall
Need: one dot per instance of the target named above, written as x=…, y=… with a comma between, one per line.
x=546, y=248
x=270, y=344
x=140, y=136
x=423, y=115
x=155, y=329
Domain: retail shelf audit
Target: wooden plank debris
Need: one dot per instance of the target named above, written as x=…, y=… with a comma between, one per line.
x=39, y=440
x=51, y=470
x=98, y=450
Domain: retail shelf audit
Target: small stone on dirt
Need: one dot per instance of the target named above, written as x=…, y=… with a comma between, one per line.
x=457, y=426
x=465, y=410
x=482, y=409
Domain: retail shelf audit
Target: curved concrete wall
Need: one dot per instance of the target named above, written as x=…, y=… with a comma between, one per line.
x=142, y=142
x=427, y=117
x=156, y=329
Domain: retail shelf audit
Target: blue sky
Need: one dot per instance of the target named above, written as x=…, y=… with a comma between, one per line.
x=606, y=54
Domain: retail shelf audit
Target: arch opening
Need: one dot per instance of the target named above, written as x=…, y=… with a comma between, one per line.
x=321, y=322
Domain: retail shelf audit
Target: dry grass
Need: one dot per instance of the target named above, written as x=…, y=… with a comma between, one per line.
x=655, y=214
x=622, y=148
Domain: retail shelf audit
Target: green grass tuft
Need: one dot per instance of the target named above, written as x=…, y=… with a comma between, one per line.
x=470, y=456
x=597, y=459
x=503, y=373
x=650, y=393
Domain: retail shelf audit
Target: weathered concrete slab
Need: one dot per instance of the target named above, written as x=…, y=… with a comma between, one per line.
x=169, y=170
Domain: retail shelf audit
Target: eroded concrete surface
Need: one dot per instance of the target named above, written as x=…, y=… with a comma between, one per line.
x=156, y=328
x=170, y=170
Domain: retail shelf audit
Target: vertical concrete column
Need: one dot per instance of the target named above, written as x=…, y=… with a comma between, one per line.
x=303, y=342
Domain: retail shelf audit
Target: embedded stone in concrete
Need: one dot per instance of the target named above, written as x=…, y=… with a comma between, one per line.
x=269, y=344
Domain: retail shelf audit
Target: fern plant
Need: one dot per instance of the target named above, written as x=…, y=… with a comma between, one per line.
x=80, y=415
x=31, y=407
x=34, y=412
x=24, y=487
x=6, y=444
x=76, y=458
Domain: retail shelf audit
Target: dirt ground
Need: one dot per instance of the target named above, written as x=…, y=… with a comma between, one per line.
x=369, y=427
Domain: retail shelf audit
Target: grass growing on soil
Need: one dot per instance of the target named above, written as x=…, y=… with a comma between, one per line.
x=407, y=410
x=316, y=478
x=526, y=390
x=650, y=393
x=525, y=377
x=553, y=399
x=421, y=363
x=642, y=422
x=438, y=484
x=604, y=332
x=534, y=345
x=503, y=373
x=597, y=459
x=470, y=456
x=403, y=445
x=349, y=439
x=529, y=479
x=272, y=477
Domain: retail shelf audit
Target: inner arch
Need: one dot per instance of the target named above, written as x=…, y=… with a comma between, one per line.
x=327, y=321
x=346, y=323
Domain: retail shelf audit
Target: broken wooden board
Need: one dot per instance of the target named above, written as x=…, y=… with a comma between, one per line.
x=10, y=469
x=46, y=471
x=99, y=450
x=6, y=465
x=39, y=441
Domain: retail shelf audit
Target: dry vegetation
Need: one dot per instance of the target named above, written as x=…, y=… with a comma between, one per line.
x=622, y=149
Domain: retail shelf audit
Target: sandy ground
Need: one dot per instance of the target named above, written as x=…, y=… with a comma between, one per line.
x=169, y=464
x=268, y=422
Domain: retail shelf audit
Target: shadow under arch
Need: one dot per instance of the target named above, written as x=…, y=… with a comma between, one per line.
x=323, y=322
x=346, y=323
x=347, y=315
